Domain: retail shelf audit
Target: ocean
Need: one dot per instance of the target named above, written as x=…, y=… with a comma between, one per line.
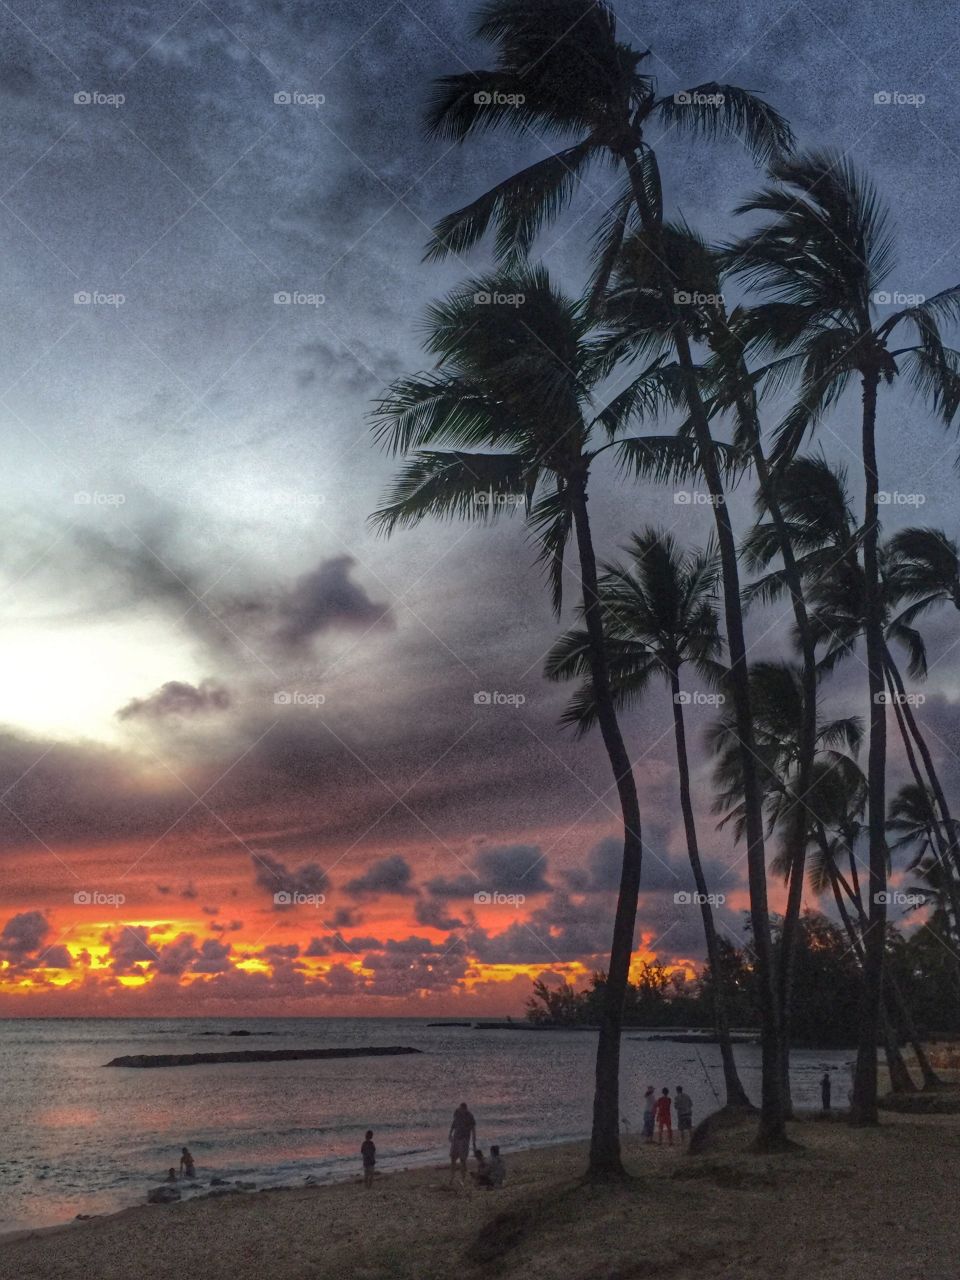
x=83, y=1139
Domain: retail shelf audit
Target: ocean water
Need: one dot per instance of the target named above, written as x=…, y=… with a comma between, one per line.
x=79, y=1138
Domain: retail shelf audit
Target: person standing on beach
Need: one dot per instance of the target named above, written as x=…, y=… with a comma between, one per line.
x=663, y=1117
x=825, y=1091
x=368, y=1154
x=463, y=1134
x=684, y=1105
x=186, y=1163
x=649, y=1111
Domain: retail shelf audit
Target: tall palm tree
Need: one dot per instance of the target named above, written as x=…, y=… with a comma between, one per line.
x=641, y=321
x=510, y=409
x=922, y=566
x=823, y=529
x=659, y=614
x=819, y=262
x=561, y=70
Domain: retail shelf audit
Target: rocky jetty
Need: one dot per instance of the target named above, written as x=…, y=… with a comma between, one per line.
x=252, y=1055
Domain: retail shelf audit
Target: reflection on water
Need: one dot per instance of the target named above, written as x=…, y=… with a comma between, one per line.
x=84, y=1139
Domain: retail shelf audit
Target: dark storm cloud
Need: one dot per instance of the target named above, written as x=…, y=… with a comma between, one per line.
x=25, y=944
x=509, y=869
x=285, y=883
x=390, y=875
x=325, y=599
x=178, y=698
x=433, y=914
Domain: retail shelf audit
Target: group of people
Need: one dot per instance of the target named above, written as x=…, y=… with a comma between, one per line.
x=187, y=1167
x=463, y=1135
x=658, y=1114
x=490, y=1173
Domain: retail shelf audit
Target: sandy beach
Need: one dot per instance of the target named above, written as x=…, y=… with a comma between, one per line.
x=874, y=1203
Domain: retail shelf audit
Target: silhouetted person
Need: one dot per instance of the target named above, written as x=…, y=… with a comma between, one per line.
x=463, y=1134
x=186, y=1163
x=481, y=1175
x=368, y=1154
x=171, y=1175
x=825, y=1091
x=496, y=1168
x=684, y=1105
x=649, y=1111
x=663, y=1117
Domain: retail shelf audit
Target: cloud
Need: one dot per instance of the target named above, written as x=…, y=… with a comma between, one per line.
x=277, y=878
x=22, y=944
x=434, y=915
x=390, y=875
x=325, y=599
x=178, y=698
x=513, y=868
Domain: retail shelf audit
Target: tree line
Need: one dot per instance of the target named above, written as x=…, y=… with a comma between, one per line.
x=652, y=365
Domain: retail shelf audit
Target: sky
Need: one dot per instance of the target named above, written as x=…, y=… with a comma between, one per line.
x=243, y=767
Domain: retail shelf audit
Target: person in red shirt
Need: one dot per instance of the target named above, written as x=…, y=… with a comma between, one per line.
x=663, y=1117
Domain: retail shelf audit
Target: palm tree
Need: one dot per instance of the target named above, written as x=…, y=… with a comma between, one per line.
x=561, y=70
x=509, y=410
x=660, y=614
x=823, y=528
x=819, y=262
x=923, y=566
x=641, y=321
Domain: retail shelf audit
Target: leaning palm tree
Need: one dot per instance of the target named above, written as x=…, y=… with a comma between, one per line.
x=922, y=566
x=641, y=321
x=659, y=615
x=823, y=528
x=560, y=70
x=819, y=262
x=509, y=412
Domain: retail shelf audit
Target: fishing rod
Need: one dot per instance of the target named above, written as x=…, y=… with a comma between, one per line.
x=707, y=1074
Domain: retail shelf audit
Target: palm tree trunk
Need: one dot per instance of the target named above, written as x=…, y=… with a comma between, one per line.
x=796, y=837
x=736, y=1094
x=771, y=1134
x=605, y=1158
x=909, y=733
x=911, y=722
x=864, y=1108
x=900, y=1079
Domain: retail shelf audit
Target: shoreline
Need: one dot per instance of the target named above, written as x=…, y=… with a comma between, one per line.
x=827, y=1210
